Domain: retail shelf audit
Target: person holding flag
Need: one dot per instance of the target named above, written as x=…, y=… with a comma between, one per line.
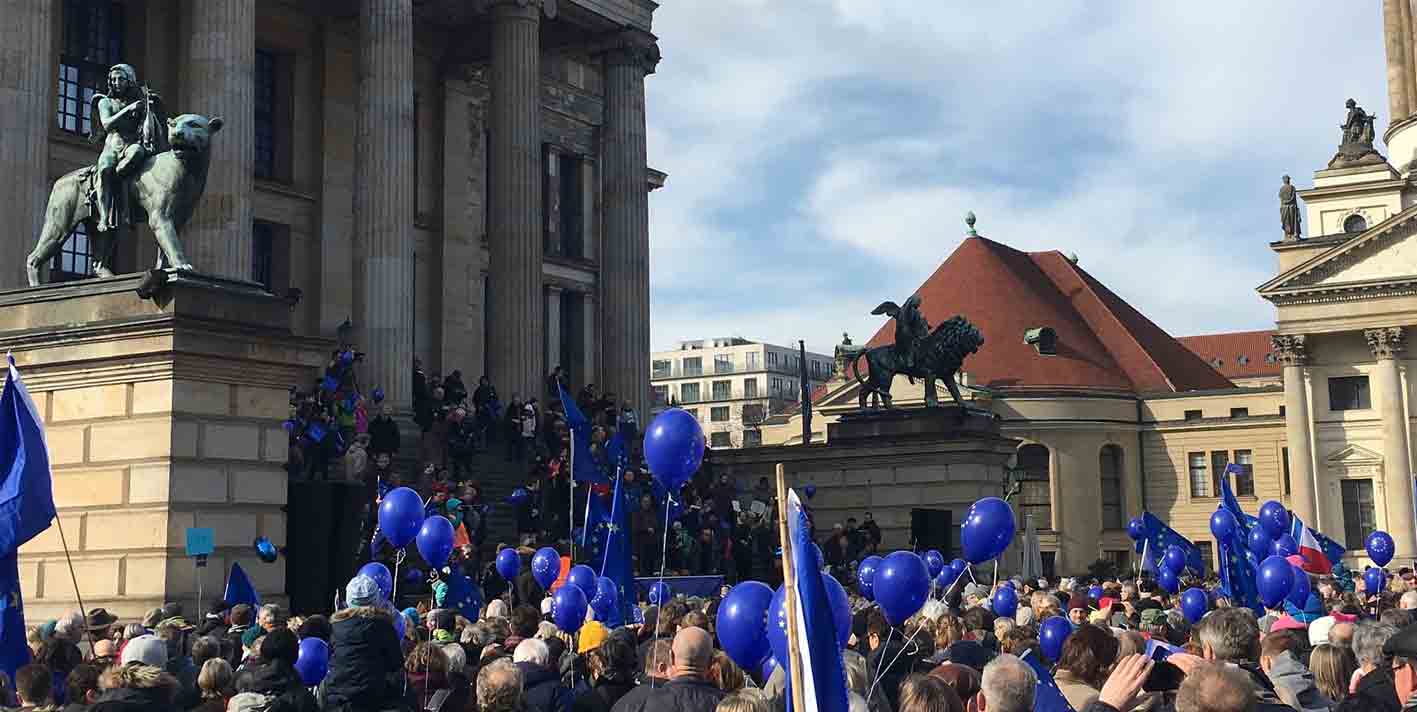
x=816, y=676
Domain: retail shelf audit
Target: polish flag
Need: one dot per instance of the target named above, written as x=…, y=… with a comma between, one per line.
x=1315, y=560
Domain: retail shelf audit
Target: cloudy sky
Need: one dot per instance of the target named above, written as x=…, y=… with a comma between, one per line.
x=822, y=153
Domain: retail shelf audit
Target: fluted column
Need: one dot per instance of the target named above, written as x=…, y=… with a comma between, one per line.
x=383, y=197
x=516, y=355
x=1302, y=498
x=219, y=78
x=1387, y=345
x=553, y=327
x=624, y=273
x=27, y=79
x=1397, y=36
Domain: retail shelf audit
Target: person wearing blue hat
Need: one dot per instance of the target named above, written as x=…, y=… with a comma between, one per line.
x=366, y=657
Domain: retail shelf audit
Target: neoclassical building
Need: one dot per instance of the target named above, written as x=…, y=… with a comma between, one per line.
x=466, y=182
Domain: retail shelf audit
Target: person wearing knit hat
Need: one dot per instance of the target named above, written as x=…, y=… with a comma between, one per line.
x=1318, y=630
x=146, y=650
x=361, y=592
x=152, y=618
x=592, y=634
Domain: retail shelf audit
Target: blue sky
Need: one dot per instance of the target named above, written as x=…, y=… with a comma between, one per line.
x=822, y=153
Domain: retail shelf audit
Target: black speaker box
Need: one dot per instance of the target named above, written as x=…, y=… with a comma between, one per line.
x=324, y=523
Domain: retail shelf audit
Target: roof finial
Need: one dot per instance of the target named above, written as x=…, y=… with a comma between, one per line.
x=969, y=220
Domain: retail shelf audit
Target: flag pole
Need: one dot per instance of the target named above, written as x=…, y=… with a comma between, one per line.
x=789, y=578
x=571, y=506
x=72, y=577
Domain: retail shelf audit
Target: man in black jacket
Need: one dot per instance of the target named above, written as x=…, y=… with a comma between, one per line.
x=275, y=679
x=689, y=689
x=366, y=660
x=541, y=683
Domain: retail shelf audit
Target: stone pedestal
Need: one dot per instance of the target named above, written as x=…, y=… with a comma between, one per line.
x=161, y=414
x=888, y=463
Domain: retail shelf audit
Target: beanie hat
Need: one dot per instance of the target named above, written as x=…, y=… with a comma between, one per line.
x=440, y=592
x=361, y=591
x=443, y=636
x=147, y=650
x=592, y=634
x=248, y=638
x=1318, y=630
x=280, y=644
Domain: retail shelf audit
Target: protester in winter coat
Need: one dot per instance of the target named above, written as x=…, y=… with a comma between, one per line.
x=275, y=679
x=431, y=683
x=612, y=674
x=541, y=683
x=136, y=686
x=689, y=689
x=1292, y=681
x=366, y=659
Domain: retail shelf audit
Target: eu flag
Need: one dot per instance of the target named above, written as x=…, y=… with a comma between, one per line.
x=1158, y=538
x=1046, y=695
x=584, y=469
x=1237, y=562
x=26, y=508
x=823, y=673
x=609, y=531
x=239, y=588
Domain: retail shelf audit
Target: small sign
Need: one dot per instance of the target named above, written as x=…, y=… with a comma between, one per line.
x=199, y=541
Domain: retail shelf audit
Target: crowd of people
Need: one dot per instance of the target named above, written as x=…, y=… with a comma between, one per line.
x=1128, y=645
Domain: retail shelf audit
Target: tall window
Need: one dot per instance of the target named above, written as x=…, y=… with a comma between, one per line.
x=723, y=363
x=1284, y=455
x=93, y=42
x=1245, y=481
x=752, y=438
x=689, y=393
x=265, y=126
x=722, y=390
x=1109, y=465
x=1200, y=479
x=660, y=394
x=772, y=359
x=572, y=217
x=779, y=388
x=262, y=252
x=750, y=388
x=1218, y=461
x=721, y=439
x=1359, y=519
x=661, y=368
x=694, y=366
x=75, y=258
x=1348, y=393
x=1035, y=496
x=753, y=413
x=718, y=414
x=752, y=360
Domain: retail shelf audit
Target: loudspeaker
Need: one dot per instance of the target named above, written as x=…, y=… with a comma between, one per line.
x=324, y=527
x=930, y=529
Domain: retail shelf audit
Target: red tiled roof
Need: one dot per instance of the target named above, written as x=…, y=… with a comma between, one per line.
x=1103, y=343
x=1239, y=354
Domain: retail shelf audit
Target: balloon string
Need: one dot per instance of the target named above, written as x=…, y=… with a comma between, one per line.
x=970, y=569
x=663, y=562
x=880, y=664
x=903, y=648
x=398, y=559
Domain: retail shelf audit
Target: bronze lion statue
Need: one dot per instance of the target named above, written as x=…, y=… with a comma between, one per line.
x=938, y=355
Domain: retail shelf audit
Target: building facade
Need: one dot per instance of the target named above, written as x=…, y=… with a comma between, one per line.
x=465, y=182
x=733, y=385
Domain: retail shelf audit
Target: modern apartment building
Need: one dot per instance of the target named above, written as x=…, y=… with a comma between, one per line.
x=732, y=385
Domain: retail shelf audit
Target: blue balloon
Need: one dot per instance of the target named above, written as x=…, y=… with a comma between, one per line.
x=435, y=540
x=509, y=564
x=810, y=491
x=957, y=567
x=400, y=624
x=660, y=593
x=777, y=616
x=400, y=514
x=606, y=599
x=902, y=583
x=312, y=661
x=1005, y=602
x=1275, y=580
x=1374, y=581
x=1175, y=559
x=1259, y=542
x=1274, y=519
x=987, y=530
x=1136, y=528
x=1380, y=547
x=413, y=575
x=518, y=496
x=768, y=667
x=265, y=549
x=546, y=567
x=935, y=561
x=382, y=577
x=674, y=447
x=1299, y=594
x=1194, y=603
x=378, y=395
x=1167, y=580
x=1094, y=593
x=568, y=608
x=741, y=629
x=1052, y=634
x=841, y=609
x=1223, y=524
x=582, y=577
x=1285, y=546
x=865, y=574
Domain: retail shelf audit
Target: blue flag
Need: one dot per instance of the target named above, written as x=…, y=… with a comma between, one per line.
x=1046, y=695
x=463, y=596
x=26, y=508
x=239, y=588
x=609, y=533
x=1237, y=562
x=823, y=673
x=1158, y=538
x=584, y=469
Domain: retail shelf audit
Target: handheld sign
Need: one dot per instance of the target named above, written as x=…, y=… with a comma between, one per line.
x=199, y=541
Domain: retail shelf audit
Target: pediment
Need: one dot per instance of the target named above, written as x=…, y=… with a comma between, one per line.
x=1350, y=455
x=1385, y=254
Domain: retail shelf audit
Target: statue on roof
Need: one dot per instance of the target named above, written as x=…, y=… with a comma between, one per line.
x=1356, y=146
x=919, y=352
x=1289, y=210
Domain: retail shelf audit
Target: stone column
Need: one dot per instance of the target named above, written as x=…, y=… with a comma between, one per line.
x=588, y=343
x=1396, y=36
x=219, y=80
x=516, y=348
x=1296, y=427
x=383, y=197
x=553, y=328
x=624, y=272
x=27, y=93
x=1387, y=345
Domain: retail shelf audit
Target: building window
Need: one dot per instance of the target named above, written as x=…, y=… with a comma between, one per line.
x=93, y=42
x=1035, y=495
x=1358, y=516
x=75, y=258
x=750, y=388
x=1239, y=412
x=1109, y=464
x=1284, y=455
x=718, y=414
x=660, y=394
x=1120, y=559
x=1200, y=479
x=265, y=125
x=752, y=438
x=1354, y=224
x=1348, y=393
x=694, y=366
x=753, y=413
x=752, y=360
x=721, y=439
x=688, y=393
x=723, y=363
x=572, y=218
x=1049, y=559
x=1219, y=459
x=262, y=252
x=772, y=359
x=1193, y=415
x=661, y=368
x=722, y=390
x=1245, y=480
x=1207, y=558
x=778, y=388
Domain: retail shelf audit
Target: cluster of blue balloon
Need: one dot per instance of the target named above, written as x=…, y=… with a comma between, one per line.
x=674, y=448
x=403, y=520
x=584, y=591
x=752, y=618
x=1380, y=548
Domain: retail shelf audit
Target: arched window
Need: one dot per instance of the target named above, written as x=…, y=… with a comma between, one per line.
x=1035, y=497
x=1354, y=224
x=1109, y=468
